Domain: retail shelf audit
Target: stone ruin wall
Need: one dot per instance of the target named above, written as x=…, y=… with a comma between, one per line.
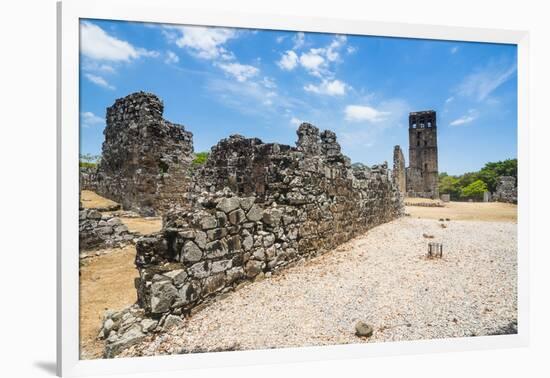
x=507, y=190
x=255, y=208
x=145, y=159
x=88, y=178
x=399, y=173
x=99, y=230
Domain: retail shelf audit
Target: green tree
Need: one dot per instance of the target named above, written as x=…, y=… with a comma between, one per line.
x=493, y=170
x=449, y=185
x=89, y=160
x=475, y=190
x=200, y=158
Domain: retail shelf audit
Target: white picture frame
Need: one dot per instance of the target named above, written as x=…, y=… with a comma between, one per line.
x=165, y=11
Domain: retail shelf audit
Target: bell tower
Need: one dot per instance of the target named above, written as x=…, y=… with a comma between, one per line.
x=422, y=174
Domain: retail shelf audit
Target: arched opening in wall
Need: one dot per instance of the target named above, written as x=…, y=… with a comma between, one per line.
x=426, y=167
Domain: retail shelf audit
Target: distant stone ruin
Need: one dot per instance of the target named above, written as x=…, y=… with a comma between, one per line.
x=399, y=171
x=99, y=230
x=145, y=159
x=422, y=173
x=506, y=190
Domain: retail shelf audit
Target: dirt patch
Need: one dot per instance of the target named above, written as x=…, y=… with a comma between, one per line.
x=143, y=226
x=91, y=200
x=106, y=282
x=475, y=211
x=421, y=201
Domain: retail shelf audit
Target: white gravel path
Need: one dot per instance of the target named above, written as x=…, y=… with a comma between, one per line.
x=382, y=278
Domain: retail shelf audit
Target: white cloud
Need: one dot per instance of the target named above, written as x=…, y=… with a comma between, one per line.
x=331, y=51
x=465, y=119
x=269, y=83
x=98, y=80
x=289, y=60
x=360, y=113
x=454, y=49
x=280, y=38
x=295, y=121
x=241, y=72
x=202, y=42
x=449, y=100
x=316, y=61
x=299, y=40
x=483, y=82
x=91, y=65
x=253, y=96
x=171, y=57
x=351, y=49
x=313, y=62
x=96, y=44
x=89, y=119
x=328, y=87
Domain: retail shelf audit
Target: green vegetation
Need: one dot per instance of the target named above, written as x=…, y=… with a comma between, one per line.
x=89, y=160
x=475, y=190
x=200, y=158
x=471, y=185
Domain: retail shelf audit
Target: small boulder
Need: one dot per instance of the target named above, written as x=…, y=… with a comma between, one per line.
x=362, y=329
x=172, y=321
x=228, y=204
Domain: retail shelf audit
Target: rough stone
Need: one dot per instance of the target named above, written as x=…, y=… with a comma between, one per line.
x=362, y=329
x=162, y=295
x=252, y=268
x=172, y=321
x=227, y=205
x=191, y=252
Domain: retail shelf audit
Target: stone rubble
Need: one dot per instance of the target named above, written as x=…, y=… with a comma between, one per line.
x=100, y=230
x=506, y=190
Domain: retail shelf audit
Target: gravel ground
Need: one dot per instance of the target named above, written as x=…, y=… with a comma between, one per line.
x=382, y=278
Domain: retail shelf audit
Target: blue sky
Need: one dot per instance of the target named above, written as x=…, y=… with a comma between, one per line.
x=259, y=83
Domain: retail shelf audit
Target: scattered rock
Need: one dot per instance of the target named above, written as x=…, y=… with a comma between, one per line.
x=172, y=321
x=362, y=329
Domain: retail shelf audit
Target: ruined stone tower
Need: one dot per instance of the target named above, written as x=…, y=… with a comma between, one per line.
x=145, y=159
x=422, y=174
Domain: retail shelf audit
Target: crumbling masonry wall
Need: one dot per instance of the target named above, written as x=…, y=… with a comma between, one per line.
x=399, y=170
x=255, y=208
x=506, y=190
x=145, y=159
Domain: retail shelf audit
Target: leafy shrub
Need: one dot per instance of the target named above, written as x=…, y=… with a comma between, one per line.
x=200, y=158
x=474, y=191
x=489, y=174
